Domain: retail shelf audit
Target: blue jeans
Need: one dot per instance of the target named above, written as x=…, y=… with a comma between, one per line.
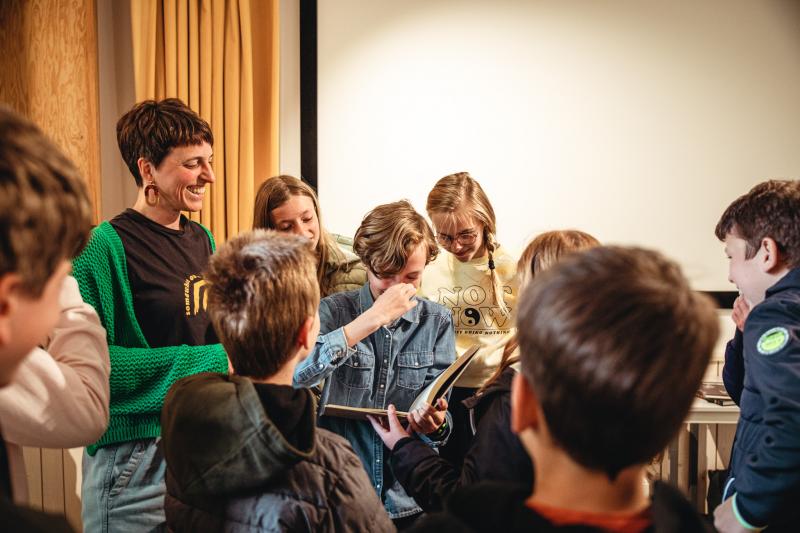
x=123, y=488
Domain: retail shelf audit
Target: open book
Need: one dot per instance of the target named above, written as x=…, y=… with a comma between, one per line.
x=430, y=394
x=714, y=392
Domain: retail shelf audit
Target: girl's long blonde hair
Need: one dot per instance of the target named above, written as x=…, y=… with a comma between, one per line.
x=541, y=253
x=459, y=195
x=275, y=192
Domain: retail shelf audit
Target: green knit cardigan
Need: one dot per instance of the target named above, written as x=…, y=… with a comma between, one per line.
x=140, y=375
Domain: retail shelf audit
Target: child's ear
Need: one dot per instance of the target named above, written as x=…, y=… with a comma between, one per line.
x=771, y=258
x=306, y=337
x=9, y=285
x=524, y=405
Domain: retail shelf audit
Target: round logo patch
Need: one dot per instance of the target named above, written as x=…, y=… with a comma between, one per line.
x=772, y=341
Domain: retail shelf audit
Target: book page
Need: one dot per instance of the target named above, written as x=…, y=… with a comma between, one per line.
x=357, y=413
x=430, y=394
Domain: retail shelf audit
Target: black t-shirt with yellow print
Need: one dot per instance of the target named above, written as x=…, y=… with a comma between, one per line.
x=165, y=269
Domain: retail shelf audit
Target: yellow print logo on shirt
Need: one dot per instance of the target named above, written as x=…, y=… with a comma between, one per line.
x=195, y=294
x=474, y=311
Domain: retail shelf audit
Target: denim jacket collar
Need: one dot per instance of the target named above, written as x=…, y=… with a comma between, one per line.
x=366, y=300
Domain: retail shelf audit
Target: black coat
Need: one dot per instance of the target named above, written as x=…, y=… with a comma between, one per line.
x=764, y=470
x=494, y=507
x=495, y=454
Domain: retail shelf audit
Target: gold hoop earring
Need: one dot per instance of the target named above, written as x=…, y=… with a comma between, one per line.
x=151, y=187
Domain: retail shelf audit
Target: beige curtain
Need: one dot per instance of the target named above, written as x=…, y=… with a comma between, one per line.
x=221, y=57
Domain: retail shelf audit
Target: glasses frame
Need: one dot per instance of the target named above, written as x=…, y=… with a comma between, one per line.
x=464, y=239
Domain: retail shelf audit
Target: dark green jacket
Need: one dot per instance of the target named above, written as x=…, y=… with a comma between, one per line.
x=230, y=468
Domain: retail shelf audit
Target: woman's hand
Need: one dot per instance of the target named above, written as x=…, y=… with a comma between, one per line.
x=389, y=429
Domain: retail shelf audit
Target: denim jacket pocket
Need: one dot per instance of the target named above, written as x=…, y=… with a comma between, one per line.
x=412, y=367
x=357, y=370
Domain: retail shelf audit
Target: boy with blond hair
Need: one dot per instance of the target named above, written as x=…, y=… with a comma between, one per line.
x=613, y=345
x=379, y=346
x=242, y=450
x=761, y=232
x=45, y=218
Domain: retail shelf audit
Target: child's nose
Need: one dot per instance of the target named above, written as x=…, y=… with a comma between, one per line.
x=298, y=230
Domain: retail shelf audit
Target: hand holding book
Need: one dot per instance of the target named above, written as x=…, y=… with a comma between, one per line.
x=428, y=418
x=430, y=395
x=423, y=420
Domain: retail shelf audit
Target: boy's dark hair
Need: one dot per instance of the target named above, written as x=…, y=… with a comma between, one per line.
x=45, y=212
x=614, y=343
x=389, y=234
x=770, y=209
x=151, y=129
x=262, y=287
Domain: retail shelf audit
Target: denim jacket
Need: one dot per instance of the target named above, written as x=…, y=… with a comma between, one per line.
x=392, y=365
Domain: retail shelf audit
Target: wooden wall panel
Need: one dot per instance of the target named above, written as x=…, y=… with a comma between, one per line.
x=32, y=457
x=48, y=72
x=72, y=486
x=48, y=61
x=53, y=481
x=13, y=82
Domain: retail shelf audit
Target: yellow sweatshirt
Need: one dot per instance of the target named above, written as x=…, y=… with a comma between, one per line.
x=466, y=289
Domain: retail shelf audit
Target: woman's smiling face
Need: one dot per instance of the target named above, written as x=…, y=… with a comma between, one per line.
x=182, y=177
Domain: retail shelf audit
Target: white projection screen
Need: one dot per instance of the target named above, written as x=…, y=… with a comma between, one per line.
x=637, y=121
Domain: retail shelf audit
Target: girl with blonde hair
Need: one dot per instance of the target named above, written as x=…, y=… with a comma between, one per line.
x=476, y=280
x=494, y=452
x=287, y=204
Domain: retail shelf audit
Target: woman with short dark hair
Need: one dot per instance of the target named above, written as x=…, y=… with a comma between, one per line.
x=142, y=272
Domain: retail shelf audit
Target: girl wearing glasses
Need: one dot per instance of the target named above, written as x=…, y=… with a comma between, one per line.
x=476, y=280
x=495, y=453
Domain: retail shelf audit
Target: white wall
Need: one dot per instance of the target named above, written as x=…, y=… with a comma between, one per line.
x=637, y=121
x=117, y=95
x=289, y=119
